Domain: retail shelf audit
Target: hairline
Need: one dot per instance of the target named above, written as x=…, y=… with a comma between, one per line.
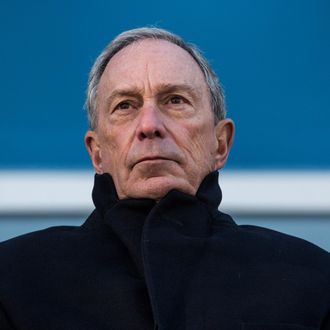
x=137, y=35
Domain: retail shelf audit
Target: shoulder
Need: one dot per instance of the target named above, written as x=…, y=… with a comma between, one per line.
x=256, y=238
x=44, y=245
x=262, y=248
x=284, y=248
x=44, y=237
x=52, y=255
x=273, y=237
x=21, y=251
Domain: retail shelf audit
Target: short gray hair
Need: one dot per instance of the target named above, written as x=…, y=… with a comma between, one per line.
x=128, y=37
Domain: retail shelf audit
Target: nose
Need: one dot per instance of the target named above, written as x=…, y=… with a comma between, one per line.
x=151, y=123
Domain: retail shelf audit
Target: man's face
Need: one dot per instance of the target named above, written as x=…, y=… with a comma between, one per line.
x=155, y=128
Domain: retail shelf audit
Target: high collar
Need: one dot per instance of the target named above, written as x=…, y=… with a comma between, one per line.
x=105, y=195
x=177, y=213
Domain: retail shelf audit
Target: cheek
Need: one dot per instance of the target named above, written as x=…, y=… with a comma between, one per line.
x=110, y=154
x=202, y=142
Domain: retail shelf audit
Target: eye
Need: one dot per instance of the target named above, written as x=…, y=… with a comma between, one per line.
x=176, y=99
x=125, y=105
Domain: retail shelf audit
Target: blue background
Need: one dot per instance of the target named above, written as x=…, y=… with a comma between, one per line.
x=272, y=57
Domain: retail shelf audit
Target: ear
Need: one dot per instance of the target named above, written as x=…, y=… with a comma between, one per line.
x=225, y=130
x=93, y=147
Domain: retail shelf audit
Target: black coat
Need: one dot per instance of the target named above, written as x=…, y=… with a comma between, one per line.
x=177, y=264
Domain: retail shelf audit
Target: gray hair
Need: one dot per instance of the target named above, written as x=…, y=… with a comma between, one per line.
x=128, y=37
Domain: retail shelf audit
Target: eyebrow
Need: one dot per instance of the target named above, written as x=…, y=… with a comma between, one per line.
x=161, y=90
x=176, y=88
x=118, y=93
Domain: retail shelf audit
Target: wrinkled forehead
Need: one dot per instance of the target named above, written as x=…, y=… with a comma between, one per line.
x=149, y=62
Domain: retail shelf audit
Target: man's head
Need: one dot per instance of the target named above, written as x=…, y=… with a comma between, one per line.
x=156, y=114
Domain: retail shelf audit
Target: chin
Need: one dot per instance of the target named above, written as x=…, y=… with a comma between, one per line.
x=157, y=187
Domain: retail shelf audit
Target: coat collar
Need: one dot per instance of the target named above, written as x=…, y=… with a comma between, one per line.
x=105, y=195
x=135, y=220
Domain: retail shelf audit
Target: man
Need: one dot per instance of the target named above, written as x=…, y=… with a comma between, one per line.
x=156, y=253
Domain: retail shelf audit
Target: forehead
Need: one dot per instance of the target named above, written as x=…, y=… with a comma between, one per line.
x=150, y=62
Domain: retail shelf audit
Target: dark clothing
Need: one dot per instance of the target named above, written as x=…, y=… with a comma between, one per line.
x=173, y=265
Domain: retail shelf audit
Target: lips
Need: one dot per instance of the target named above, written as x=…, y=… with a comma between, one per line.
x=154, y=153
x=150, y=158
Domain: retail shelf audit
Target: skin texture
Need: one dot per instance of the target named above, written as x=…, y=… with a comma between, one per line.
x=155, y=128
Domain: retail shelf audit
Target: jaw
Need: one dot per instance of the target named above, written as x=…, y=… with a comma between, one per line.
x=152, y=182
x=154, y=178
x=158, y=186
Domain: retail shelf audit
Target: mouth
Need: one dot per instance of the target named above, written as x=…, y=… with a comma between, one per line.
x=152, y=159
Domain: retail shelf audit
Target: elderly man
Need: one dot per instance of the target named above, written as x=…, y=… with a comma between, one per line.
x=156, y=253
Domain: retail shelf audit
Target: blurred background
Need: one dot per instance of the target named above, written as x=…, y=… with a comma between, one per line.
x=272, y=58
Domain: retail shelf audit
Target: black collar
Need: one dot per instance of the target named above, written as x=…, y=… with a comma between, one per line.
x=105, y=194
x=177, y=212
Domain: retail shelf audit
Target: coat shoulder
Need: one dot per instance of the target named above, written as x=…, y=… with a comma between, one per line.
x=46, y=243
x=289, y=248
